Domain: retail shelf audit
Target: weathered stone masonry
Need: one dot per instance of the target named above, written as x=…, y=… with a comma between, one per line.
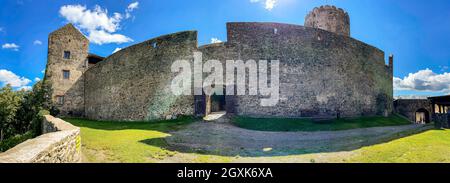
x=323, y=73
x=67, y=52
x=134, y=83
x=60, y=143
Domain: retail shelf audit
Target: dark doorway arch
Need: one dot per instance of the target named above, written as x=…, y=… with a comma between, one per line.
x=422, y=116
x=215, y=102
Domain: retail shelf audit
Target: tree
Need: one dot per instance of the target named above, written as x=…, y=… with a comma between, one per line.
x=10, y=102
x=29, y=114
x=21, y=111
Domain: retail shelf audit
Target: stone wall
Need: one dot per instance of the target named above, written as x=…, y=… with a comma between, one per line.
x=134, y=83
x=442, y=120
x=60, y=143
x=409, y=107
x=321, y=73
x=329, y=18
x=67, y=38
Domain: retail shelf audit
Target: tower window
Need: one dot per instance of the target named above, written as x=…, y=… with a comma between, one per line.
x=66, y=74
x=60, y=100
x=67, y=54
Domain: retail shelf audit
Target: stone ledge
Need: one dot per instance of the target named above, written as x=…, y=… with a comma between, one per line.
x=60, y=143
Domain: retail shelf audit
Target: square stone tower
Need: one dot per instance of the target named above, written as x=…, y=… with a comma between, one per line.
x=66, y=64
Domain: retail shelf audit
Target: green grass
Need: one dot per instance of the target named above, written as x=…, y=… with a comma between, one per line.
x=429, y=147
x=282, y=124
x=140, y=142
x=126, y=141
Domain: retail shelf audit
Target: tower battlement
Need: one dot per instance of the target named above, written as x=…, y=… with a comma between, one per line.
x=329, y=18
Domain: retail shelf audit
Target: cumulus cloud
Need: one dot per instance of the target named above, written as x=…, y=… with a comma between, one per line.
x=99, y=25
x=11, y=46
x=8, y=77
x=102, y=37
x=268, y=4
x=215, y=40
x=116, y=50
x=37, y=79
x=424, y=80
x=37, y=42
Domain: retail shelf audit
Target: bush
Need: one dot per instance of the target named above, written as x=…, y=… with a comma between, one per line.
x=13, y=141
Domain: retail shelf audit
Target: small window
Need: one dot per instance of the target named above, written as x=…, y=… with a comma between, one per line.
x=60, y=100
x=67, y=54
x=66, y=74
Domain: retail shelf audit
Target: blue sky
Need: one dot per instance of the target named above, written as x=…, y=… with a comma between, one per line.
x=415, y=31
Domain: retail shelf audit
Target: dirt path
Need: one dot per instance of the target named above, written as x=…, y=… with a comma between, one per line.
x=222, y=138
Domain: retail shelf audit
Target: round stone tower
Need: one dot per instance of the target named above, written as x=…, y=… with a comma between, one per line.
x=329, y=18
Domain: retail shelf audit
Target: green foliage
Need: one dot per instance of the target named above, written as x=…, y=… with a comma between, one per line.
x=15, y=140
x=281, y=124
x=10, y=102
x=21, y=112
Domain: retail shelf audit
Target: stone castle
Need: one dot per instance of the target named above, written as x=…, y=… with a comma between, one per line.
x=324, y=73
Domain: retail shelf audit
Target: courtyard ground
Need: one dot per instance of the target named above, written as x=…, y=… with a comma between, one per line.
x=193, y=140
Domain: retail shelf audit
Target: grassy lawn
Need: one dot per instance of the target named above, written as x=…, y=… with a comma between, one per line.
x=279, y=124
x=125, y=141
x=429, y=147
x=143, y=142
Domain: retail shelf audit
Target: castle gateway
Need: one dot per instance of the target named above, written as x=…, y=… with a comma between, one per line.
x=323, y=72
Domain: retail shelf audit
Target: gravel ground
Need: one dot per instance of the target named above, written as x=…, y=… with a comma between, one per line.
x=222, y=138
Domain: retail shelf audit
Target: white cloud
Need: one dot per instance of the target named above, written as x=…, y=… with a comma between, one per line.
x=37, y=79
x=91, y=19
x=130, y=9
x=37, y=42
x=215, y=40
x=99, y=25
x=102, y=37
x=8, y=77
x=116, y=50
x=133, y=6
x=268, y=4
x=43, y=71
x=11, y=46
x=424, y=80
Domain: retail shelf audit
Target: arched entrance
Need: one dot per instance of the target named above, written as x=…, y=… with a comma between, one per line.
x=207, y=104
x=422, y=116
x=215, y=102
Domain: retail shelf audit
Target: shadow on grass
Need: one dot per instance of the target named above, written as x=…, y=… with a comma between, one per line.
x=170, y=143
x=174, y=142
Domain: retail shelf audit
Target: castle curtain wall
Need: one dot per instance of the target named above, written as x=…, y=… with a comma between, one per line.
x=321, y=73
x=134, y=83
